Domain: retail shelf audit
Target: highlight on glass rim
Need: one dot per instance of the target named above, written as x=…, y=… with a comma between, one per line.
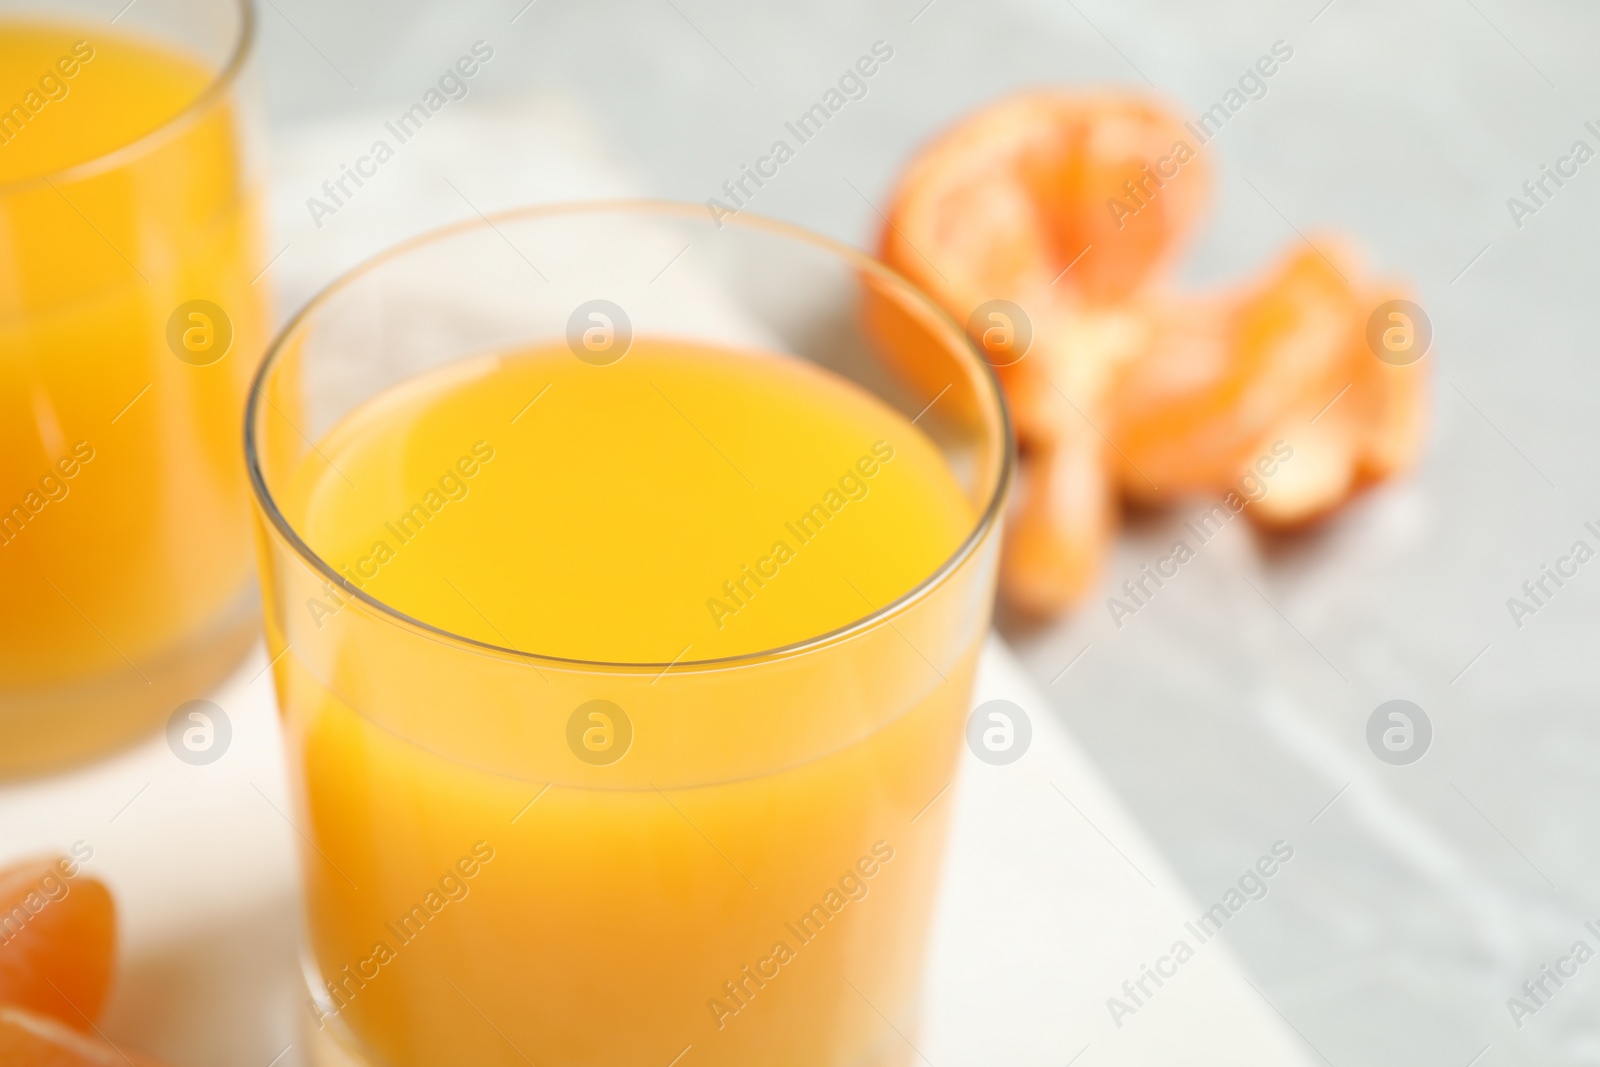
x=830, y=535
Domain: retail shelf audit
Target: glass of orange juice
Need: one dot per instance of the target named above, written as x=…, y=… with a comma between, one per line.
x=625, y=573
x=129, y=328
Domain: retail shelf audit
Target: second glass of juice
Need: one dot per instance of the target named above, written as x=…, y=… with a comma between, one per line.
x=625, y=574
x=131, y=320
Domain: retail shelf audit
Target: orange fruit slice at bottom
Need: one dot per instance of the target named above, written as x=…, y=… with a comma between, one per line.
x=58, y=937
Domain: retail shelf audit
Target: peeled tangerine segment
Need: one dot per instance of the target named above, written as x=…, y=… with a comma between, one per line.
x=60, y=946
x=1286, y=360
x=1057, y=536
x=1003, y=203
x=1224, y=371
x=30, y=1040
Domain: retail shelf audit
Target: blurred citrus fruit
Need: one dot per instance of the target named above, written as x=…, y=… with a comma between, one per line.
x=58, y=935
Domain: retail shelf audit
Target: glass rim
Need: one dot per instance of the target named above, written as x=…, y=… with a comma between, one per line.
x=220, y=83
x=986, y=520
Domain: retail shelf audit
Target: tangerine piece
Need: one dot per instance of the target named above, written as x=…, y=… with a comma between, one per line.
x=1042, y=224
x=1194, y=407
x=58, y=934
x=32, y=1040
x=1286, y=360
x=1006, y=201
x=1029, y=222
x=1026, y=204
x=1058, y=533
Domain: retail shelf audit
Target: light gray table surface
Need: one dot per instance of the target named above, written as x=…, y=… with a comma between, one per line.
x=1232, y=711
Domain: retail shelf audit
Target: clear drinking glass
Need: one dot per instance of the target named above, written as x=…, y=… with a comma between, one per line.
x=479, y=892
x=130, y=198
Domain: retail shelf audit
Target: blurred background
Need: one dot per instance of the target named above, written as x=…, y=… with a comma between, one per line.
x=1233, y=711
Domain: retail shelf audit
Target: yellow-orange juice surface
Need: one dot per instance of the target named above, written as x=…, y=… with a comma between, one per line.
x=583, y=866
x=124, y=549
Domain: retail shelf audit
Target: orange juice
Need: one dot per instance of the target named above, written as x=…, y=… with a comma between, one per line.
x=127, y=223
x=698, y=858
